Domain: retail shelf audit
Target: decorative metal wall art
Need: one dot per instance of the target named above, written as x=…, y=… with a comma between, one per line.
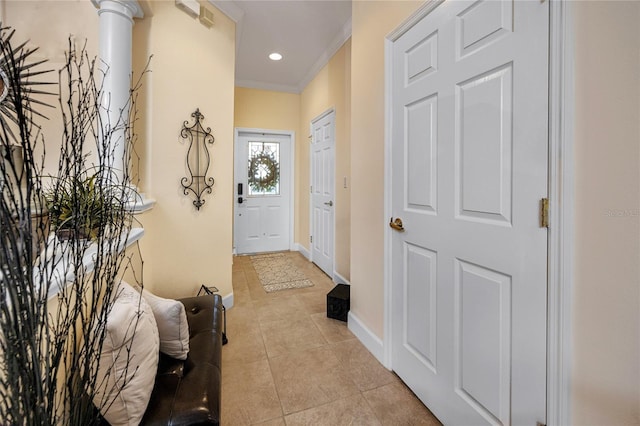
x=198, y=159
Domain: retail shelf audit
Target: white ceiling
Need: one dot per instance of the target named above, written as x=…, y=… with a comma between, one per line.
x=306, y=32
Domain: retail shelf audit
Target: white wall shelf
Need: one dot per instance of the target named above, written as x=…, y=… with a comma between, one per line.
x=57, y=265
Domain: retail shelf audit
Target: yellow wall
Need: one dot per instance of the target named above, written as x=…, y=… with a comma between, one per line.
x=46, y=24
x=606, y=309
x=330, y=88
x=371, y=22
x=192, y=67
x=266, y=109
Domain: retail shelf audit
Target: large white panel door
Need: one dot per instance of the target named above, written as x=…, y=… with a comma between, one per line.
x=263, y=192
x=469, y=166
x=322, y=191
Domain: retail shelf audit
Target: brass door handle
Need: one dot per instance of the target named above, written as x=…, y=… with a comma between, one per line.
x=396, y=224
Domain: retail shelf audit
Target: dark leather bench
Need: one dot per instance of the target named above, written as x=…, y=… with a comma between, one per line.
x=188, y=392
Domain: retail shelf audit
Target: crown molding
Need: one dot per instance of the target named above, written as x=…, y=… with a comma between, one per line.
x=326, y=56
x=236, y=14
x=263, y=85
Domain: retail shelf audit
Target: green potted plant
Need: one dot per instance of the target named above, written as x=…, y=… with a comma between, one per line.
x=83, y=206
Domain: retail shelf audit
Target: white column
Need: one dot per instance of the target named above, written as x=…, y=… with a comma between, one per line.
x=116, y=28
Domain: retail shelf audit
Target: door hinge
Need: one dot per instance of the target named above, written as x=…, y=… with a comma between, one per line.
x=311, y=189
x=544, y=213
x=311, y=238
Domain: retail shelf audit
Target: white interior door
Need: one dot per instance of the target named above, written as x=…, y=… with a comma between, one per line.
x=322, y=191
x=469, y=161
x=263, y=192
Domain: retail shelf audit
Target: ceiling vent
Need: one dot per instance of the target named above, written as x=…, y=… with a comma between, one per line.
x=206, y=16
x=192, y=7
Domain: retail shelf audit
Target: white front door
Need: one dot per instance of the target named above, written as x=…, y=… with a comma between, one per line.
x=322, y=191
x=263, y=192
x=469, y=108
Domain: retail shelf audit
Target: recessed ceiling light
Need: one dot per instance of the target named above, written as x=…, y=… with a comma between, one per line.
x=275, y=56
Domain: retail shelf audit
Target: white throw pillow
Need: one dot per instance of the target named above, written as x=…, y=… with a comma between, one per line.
x=129, y=359
x=172, y=325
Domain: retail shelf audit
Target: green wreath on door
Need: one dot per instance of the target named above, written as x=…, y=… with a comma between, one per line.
x=264, y=172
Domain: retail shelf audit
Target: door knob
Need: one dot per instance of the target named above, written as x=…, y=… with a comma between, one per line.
x=330, y=203
x=396, y=224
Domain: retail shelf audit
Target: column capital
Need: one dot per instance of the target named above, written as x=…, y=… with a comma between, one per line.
x=129, y=9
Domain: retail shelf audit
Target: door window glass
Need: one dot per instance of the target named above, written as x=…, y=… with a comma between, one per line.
x=264, y=168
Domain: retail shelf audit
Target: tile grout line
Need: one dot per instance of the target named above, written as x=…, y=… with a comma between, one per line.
x=308, y=316
x=264, y=346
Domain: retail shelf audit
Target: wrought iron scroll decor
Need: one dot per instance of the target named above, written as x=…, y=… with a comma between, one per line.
x=198, y=159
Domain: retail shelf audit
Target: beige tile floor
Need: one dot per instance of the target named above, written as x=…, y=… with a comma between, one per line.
x=286, y=363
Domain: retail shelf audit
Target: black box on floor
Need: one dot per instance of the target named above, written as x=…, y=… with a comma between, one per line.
x=338, y=302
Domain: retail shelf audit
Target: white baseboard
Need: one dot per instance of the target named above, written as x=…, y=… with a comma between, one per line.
x=303, y=251
x=366, y=337
x=227, y=301
x=337, y=278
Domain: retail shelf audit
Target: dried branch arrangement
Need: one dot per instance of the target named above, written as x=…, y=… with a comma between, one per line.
x=53, y=310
